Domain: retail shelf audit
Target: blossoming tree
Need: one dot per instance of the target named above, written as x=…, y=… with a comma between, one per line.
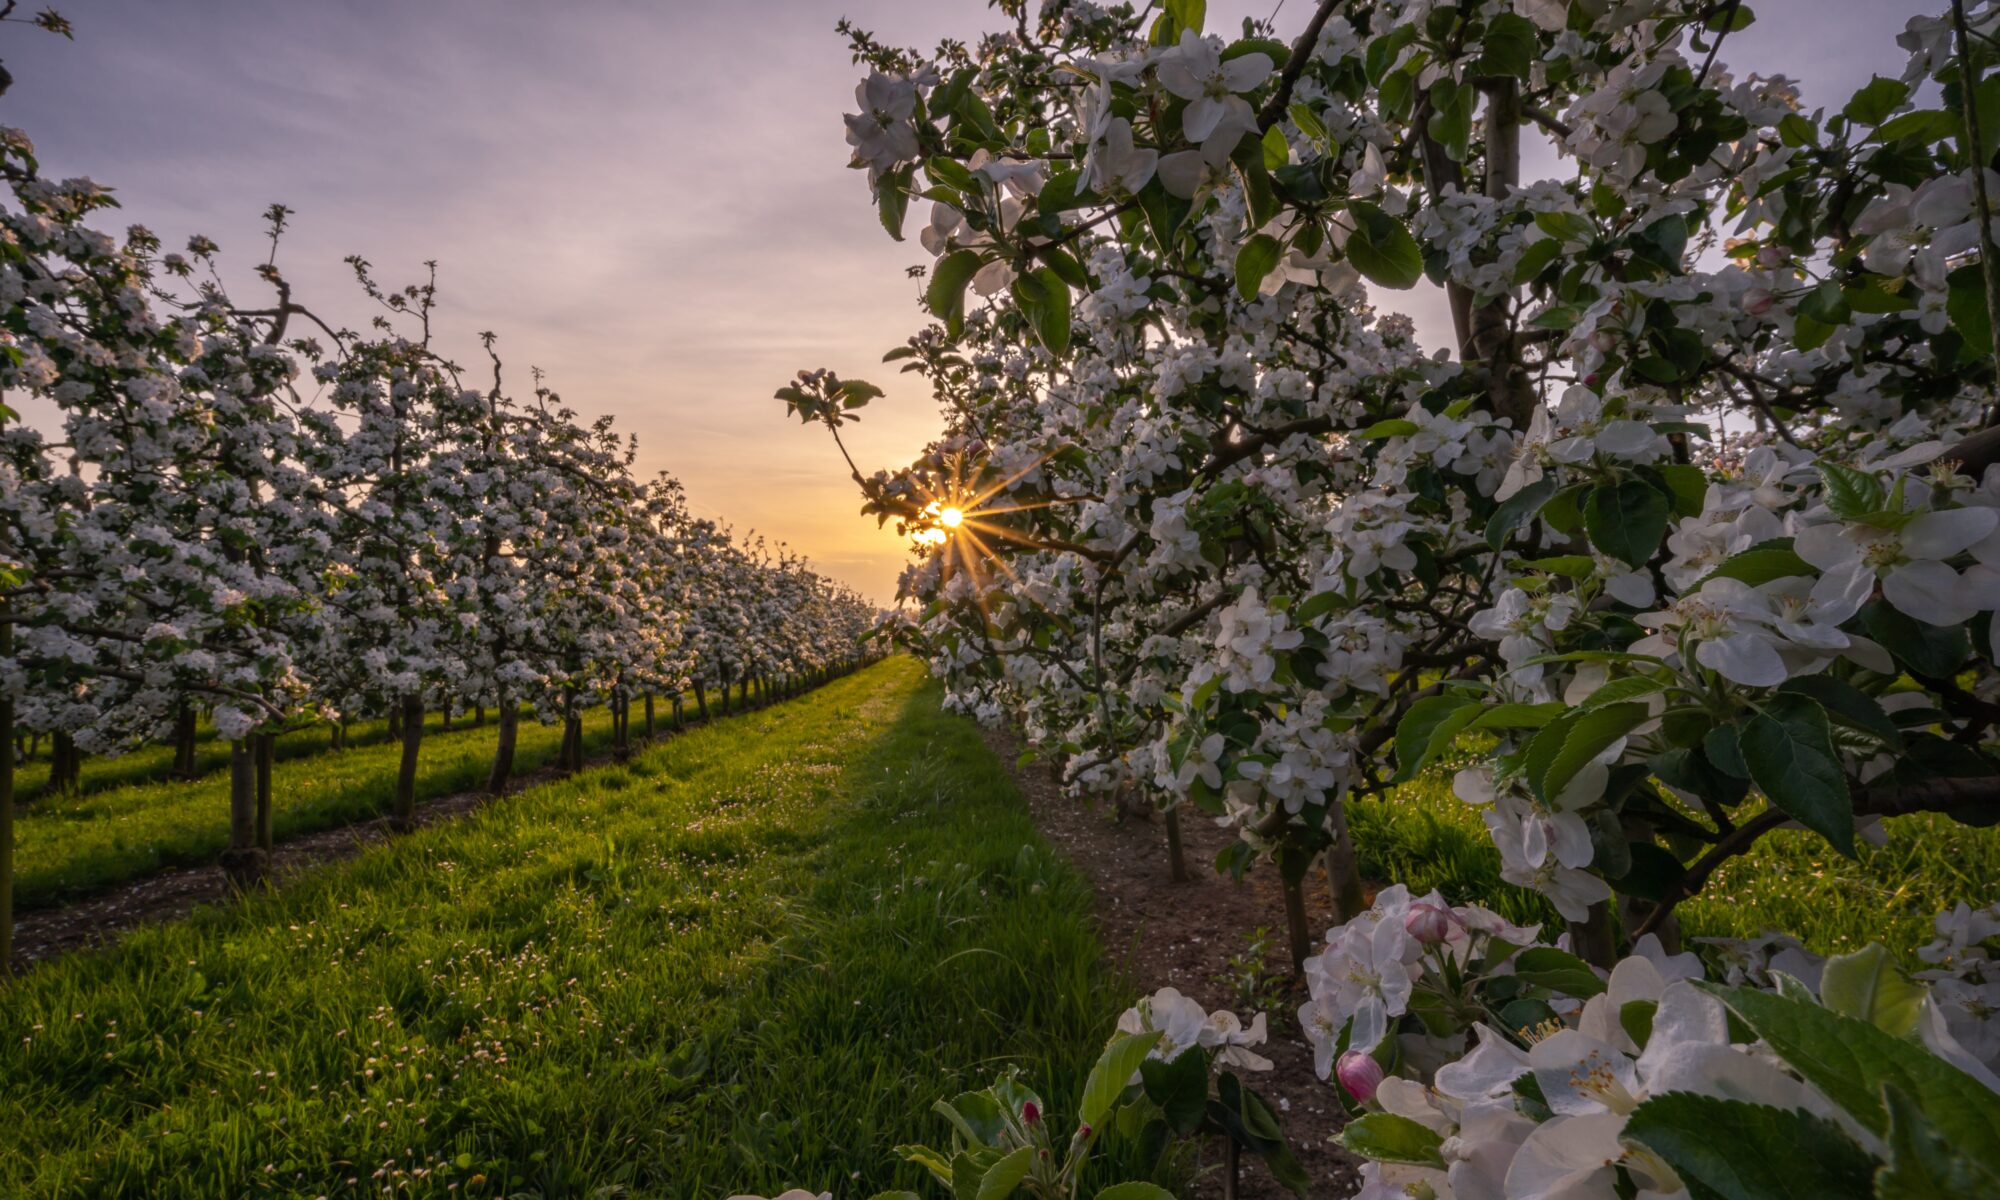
x=1692, y=527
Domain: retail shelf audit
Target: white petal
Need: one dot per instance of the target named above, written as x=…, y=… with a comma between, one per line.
x=1931, y=592
x=1943, y=534
x=1742, y=658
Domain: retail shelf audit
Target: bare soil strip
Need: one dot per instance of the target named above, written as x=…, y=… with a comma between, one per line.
x=1162, y=933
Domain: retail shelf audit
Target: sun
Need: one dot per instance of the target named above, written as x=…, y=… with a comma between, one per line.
x=951, y=518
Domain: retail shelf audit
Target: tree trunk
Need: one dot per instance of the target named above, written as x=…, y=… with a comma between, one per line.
x=701, y=702
x=621, y=729
x=65, y=766
x=1343, y=869
x=1297, y=936
x=244, y=863
x=1594, y=939
x=444, y=725
x=395, y=723
x=6, y=808
x=267, y=752
x=479, y=716
x=1176, y=856
x=503, y=749
x=184, y=723
x=404, y=818
x=573, y=740
x=649, y=716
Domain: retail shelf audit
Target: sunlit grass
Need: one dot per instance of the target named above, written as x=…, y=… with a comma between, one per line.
x=750, y=958
x=1792, y=882
x=69, y=847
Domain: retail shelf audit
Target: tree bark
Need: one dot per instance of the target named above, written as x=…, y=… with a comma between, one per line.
x=404, y=818
x=1176, y=856
x=244, y=862
x=184, y=729
x=701, y=702
x=1297, y=936
x=649, y=716
x=569, y=757
x=503, y=749
x=65, y=766
x=1594, y=939
x=1343, y=868
x=267, y=752
x=6, y=808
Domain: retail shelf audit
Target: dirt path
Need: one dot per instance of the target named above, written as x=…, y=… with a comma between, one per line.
x=1196, y=936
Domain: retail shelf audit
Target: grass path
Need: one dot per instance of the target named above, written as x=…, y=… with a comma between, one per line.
x=748, y=959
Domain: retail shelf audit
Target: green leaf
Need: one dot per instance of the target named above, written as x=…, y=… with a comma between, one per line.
x=892, y=200
x=1112, y=1072
x=1925, y=649
x=1044, y=300
x=1626, y=521
x=1590, y=734
x=1852, y=1062
x=1517, y=510
x=1519, y=716
x=1006, y=1175
x=1179, y=1088
x=1966, y=306
x=1736, y=1150
x=1382, y=249
x=1428, y=728
x=1511, y=46
x=1535, y=259
x=1258, y=258
x=1851, y=493
x=1789, y=749
x=1689, y=484
x=1758, y=566
x=1392, y=427
x=1386, y=1137
x=1187, y=14
x=1873, y=103
x=1922, y=1165
x=1558, y=971
x=1868, y=986
x=1847, y=704
x=945, y=294
x=1136, y=1190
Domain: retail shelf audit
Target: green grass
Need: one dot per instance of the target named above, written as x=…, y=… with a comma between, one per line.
x=750, y=958
x=1792, y=881
x=72, y=847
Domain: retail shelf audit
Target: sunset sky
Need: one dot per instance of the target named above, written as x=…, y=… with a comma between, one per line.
x=648, y=201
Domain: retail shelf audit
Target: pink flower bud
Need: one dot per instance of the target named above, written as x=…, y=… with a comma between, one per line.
x=1360, y=1074
x=1758, y=301
x=1591, y=380
x=1030, y=1112
x=1769, y=255
x=1429, y=923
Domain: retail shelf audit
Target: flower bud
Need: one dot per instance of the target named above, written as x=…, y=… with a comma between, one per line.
x=1030, y=1112
x=1360, y=1074
x=1769, y=255
x=1429, y=923
x=1758, y=301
